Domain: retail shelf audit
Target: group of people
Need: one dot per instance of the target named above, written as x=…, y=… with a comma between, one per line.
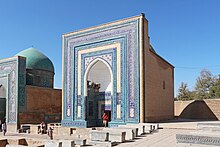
x=43, y=130
x=3, y=126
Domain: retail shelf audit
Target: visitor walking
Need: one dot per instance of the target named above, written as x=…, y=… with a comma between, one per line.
x=105, y=119
x=4, y=128
x=50, y=133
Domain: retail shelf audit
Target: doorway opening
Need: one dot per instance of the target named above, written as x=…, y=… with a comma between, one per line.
x=98, y=92
x=2, y=101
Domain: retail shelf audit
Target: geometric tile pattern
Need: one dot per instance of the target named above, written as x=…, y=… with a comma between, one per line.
x=14, y=69
x=126, y=33
x=106, y=57
x=103, y=54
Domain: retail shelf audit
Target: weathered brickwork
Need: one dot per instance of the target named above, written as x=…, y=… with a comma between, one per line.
x=43, y=104
x=198, y=109
x=159, y=96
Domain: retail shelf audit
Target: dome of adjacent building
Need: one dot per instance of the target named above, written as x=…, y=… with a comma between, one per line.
x=36, y=60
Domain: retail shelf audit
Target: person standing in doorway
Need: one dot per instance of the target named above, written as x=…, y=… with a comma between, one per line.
x=105, y=119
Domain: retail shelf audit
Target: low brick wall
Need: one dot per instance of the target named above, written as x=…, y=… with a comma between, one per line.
x=207, y=109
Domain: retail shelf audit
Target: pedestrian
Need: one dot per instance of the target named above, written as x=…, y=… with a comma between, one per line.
x=105, y=119
x=4, y=128
x=42, y=128
x=50, y=133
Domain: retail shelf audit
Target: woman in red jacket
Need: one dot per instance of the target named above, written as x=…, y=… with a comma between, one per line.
x=105, y=119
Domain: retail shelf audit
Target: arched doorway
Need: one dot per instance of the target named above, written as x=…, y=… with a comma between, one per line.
x=3, y=96
x=98, y=92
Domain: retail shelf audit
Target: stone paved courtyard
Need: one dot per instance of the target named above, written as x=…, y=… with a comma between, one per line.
x=164, y=137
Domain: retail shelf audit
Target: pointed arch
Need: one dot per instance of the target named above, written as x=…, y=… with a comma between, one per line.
x=89, y=68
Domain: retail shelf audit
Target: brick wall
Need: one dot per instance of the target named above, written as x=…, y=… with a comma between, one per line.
x=207, y=109
x=43, y=104
x=159, y=88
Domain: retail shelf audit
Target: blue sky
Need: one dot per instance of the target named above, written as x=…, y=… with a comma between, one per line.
x=184, y=32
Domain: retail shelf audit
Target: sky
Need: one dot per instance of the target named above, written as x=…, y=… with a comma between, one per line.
x=186, y=33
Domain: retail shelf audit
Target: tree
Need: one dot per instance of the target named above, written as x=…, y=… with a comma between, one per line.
x=183, y=92
x=215, y=89
x=204, y=83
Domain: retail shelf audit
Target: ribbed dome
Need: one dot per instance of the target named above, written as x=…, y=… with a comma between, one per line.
x=36, y=60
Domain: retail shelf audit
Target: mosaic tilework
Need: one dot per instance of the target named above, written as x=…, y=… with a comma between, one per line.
x=22, y=85
x=115, y=61
x=14, y=69
x=104, y=96
x=106, y=57
x=94, y=52
x=113, y=69
x=129, y=91
x=99, y=54
x=76, y=123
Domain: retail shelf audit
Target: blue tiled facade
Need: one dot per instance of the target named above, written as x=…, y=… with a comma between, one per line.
x=127, y=35
x=14, y=69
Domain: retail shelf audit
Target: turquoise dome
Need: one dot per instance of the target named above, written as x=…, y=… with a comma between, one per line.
x=36, y=60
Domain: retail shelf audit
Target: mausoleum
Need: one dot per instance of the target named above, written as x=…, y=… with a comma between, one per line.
x=27, y=93
x=113, y=68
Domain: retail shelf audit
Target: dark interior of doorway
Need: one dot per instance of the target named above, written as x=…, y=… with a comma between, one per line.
x=2, y=109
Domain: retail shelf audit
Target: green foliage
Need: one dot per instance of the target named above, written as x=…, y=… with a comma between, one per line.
x=204, y=83
x=183, y=92
x=215, y=89
x=207, y=86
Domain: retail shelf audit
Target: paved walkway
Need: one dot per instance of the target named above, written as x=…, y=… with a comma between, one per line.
x=161, y=138
x=165, y=137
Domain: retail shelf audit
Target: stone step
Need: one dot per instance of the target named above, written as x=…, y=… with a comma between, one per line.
x=209, y=126
x=133, y=129
x=117, y=135
x=53, y=144
x=141, y=128
x=204, y=139
x=129, y=133
x=67, y=143
x=79, y=141
x=99, y=135
x=205, y=133
x=151, y=126
x=103, y=144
